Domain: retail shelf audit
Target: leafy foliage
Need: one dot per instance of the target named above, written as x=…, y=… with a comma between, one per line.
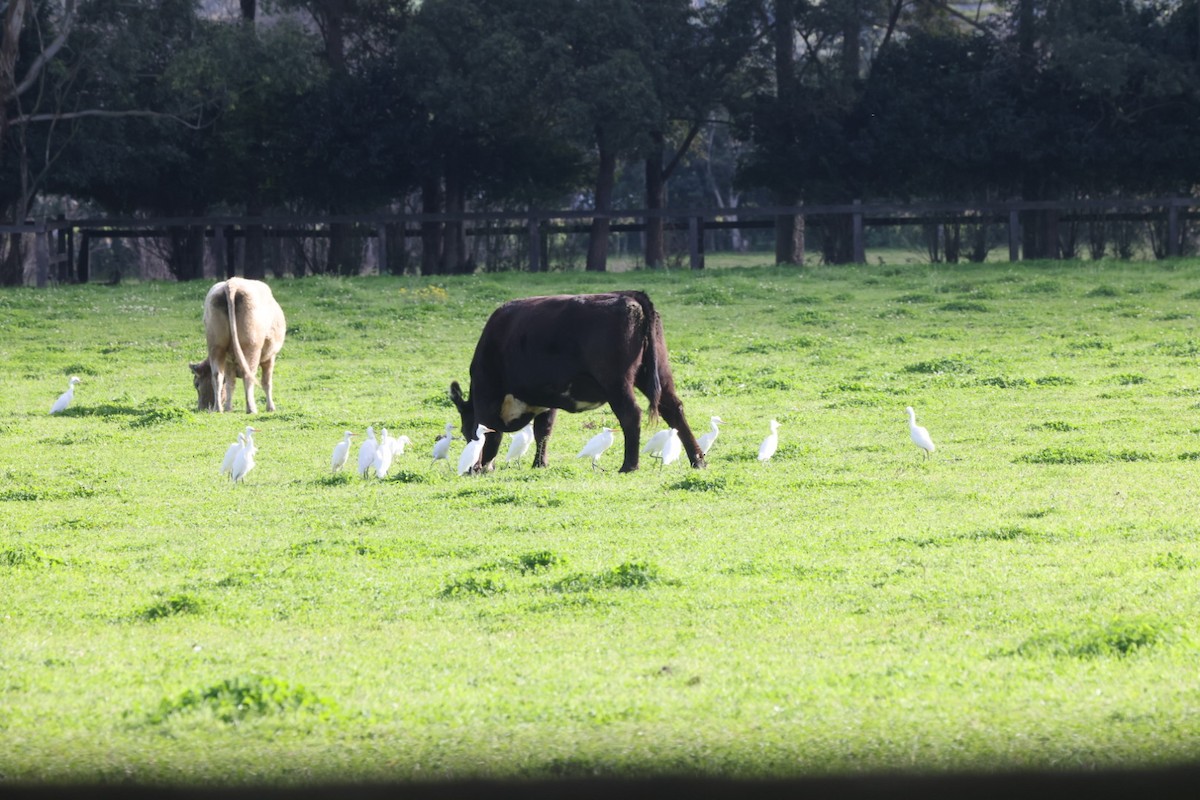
x=237, y=699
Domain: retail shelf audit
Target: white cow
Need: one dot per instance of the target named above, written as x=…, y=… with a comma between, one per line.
x=245, y=328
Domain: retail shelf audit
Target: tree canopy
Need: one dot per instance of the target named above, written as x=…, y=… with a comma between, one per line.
x=169, y=107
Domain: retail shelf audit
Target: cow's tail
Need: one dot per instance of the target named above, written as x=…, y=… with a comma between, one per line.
x=247, y=373
x=651, y=327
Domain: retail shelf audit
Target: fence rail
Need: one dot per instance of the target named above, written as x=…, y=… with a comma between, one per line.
x=56, y=238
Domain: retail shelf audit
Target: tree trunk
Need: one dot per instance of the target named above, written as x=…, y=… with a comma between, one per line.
x=397, y=253
x=789, y=235
x=789, y=229
x=454, y=247
x=255, y=266
x=10, y=36
x=606, y=178
x=343, y=258
x=186, y=257
x=656, y=190
x=837, y=246
x=851, y=48
x=12, y=262
x=431, y=232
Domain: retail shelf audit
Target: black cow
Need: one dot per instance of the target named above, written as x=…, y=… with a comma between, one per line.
x=574, y=352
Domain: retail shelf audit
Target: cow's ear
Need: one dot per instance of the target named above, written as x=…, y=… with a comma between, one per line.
x=457, y=396
x=196, y=367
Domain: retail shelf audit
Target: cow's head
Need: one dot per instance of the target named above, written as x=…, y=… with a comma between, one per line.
x=465, y=410
x=202, y=380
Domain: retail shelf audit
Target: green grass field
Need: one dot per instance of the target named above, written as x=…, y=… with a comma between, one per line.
x=1027, y=597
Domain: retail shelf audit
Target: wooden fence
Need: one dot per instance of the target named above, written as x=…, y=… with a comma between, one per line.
x=62, y=245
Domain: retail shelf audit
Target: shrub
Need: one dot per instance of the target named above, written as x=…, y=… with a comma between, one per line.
x=236, y=699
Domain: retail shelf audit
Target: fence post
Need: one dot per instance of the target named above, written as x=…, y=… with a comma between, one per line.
x=41, y=256
x=696, y=242
x=72, y=270
x=230, y=253
x=1014, y=235
x=860, y=248
x=219, y=251
x=61, y=258
x=381, y=246
x=84, y=264
x=1172, y=230
x=535, y=245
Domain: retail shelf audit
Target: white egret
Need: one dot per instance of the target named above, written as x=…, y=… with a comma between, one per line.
x=245, y=438
x=673, y=448
x=520, y=443
x=386, y=440
x=341, y=452
x=383, y=460
x=244, y=462
x=596, y=447
x=398, y=445
x=441, y=447
x=470, y=453
x=769, y=444
x=654, y=447
x=64, y=399
x=366, y=452
x=706, y=441
x=231, y=453
x=919, y=435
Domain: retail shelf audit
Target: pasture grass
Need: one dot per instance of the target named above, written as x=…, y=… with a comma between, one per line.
x=1025, y=598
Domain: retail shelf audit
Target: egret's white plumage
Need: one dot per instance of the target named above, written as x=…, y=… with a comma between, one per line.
x=520, y=443
x=243, y=454
x=596, y=446
x=919, y=435
x=769, y=444
x=244, y=462
x=231, y=454
x=64, y=399
x=470, y=453
x=366, y=452
x=341, y=452
x=383, y=458
x=654, y=446
x=398, y=445
x=388, y=441
x=673, y=448
x=441, y=448
x=706, y=441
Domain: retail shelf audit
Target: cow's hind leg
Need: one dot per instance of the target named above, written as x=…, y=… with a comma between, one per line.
x=268, y=375
x=625, y=407
x=543, y=424
x=252, y=357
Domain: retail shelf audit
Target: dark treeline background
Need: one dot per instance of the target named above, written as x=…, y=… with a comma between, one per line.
x=181, y=108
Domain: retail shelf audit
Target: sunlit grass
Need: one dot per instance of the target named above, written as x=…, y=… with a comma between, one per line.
x=1024, y=598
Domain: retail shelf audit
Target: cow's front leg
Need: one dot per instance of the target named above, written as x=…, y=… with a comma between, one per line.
x=491, y=446
x=219, y=387
x=543, y=424
x=626, y=410
x=671, y=409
